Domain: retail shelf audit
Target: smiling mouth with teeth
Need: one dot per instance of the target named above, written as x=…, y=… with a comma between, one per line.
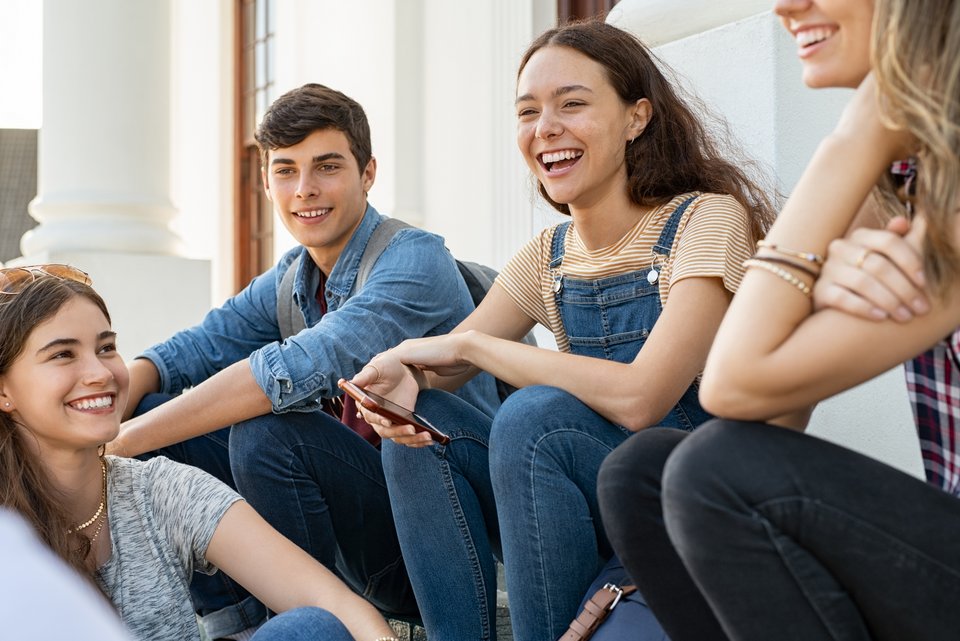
x=314, y=213
x=556, y=160
x=97, y=403
x=813, y=36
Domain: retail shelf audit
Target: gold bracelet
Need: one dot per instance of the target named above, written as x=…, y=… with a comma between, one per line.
x=812, y=272
x=386, y=639
x=816, y=259
x=780, y=272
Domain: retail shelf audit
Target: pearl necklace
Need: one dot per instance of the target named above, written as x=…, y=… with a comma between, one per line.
x=103, y=503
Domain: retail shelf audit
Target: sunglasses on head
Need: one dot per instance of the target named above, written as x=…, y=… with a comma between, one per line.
x=13, y=280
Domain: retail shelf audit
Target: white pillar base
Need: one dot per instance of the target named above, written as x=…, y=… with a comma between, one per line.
x=92, y=226
x=149, y=297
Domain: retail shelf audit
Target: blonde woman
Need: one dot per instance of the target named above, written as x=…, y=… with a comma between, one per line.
x=772, y=533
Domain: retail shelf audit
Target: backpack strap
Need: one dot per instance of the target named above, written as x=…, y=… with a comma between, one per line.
x=289, y=317
x=379, y=239
x=595, y=610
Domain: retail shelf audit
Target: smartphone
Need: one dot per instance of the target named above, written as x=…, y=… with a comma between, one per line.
x=388, y=409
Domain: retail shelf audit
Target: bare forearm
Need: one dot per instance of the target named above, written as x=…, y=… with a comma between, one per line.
x=228, y=397
x=144, y=379
x=283, y=576
x=623, y=393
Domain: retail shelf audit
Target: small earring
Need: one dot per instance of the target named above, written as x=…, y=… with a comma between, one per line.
x=6, y=404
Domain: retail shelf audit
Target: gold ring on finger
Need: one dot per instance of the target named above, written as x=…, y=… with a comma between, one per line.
x=862, y=257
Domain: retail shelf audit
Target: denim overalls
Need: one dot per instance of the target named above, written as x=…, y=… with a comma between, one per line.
x=611, y=317
x=526, y=480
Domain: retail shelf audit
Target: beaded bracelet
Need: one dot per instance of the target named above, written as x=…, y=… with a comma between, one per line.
x=810, y=257
x=781, y=273
x=813, y=273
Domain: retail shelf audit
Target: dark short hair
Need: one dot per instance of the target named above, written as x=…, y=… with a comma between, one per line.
x=312, y=107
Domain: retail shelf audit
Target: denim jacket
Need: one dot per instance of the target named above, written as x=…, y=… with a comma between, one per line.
x=413, y=290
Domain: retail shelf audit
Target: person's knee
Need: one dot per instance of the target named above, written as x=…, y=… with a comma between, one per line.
x=527, y=415
x=400, y=460
x=432, y=401
x=260, y=438
x=530, y=429
x=631, y=476
x=709, y=474
x=302, y=624
x=528, y=406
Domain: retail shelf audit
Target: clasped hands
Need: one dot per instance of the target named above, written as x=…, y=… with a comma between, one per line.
x=876, y=274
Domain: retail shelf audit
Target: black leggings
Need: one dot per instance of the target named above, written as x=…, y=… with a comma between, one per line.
x=758, y=532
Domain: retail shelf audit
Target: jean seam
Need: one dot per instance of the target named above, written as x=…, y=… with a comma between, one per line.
x=771, y=530
x=548, y=609
x=844, y=514
x=461, y=521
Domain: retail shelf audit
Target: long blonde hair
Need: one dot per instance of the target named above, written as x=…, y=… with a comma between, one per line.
x=916, y=61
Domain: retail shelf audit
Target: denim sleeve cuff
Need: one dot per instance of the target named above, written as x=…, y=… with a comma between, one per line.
x=170, y=376
x=277, y=383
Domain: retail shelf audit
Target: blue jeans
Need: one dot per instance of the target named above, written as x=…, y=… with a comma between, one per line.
x=303, y=624
x=545, y=451
x=790, y=537
x=224, y=605
x=322, y=486
x=446, y=520
x=526, y=479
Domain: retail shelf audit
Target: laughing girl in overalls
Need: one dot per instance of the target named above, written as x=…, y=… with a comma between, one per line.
x=633, y=288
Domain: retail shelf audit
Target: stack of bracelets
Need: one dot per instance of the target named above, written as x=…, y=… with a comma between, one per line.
x=777, y=257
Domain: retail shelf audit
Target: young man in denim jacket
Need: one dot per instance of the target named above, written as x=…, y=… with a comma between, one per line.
x=316, y=479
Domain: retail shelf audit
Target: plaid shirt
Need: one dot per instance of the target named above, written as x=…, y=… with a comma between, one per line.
x=933, y=383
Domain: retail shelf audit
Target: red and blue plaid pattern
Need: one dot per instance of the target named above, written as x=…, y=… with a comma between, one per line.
x=933, y=383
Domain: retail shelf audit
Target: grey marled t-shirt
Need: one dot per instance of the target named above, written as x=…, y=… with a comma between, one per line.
x=162, y=517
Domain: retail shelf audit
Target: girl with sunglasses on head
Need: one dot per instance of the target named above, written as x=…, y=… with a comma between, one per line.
x=770, y=533
x=633, y=287
x=136, y=529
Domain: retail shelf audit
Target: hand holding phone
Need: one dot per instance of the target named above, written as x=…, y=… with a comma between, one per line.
x=388, y=409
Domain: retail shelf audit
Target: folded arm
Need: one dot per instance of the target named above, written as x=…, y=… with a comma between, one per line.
x=773, y=355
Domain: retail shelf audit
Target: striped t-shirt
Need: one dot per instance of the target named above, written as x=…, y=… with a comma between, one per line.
x=712, y=241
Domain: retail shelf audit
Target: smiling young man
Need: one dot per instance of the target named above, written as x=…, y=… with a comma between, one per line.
x=316, y=478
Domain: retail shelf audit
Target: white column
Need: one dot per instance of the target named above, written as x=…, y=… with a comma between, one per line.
x=737, y=58
x=104, y=165
x=104, y=161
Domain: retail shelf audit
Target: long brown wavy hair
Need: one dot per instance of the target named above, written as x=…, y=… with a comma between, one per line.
x=675, y=154
x=25, y=485
x=916, y=61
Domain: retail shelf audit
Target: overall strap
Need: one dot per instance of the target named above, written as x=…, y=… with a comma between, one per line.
x=289, y=317
x=665, y=242
x=379, y=239
x=557, y=250
x=556, y=246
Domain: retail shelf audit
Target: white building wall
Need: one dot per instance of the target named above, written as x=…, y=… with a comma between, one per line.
x=201, y=136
